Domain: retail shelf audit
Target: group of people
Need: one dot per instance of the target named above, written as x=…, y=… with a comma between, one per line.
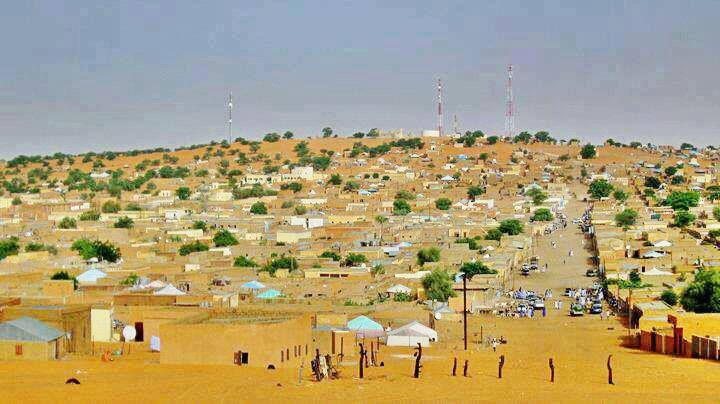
x=559, y=223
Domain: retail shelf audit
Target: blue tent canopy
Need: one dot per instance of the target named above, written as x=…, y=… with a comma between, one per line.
x=255, y=285
x=269, y=294
x=363, y=323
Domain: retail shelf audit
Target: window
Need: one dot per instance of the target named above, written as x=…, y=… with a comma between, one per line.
x=18, y=350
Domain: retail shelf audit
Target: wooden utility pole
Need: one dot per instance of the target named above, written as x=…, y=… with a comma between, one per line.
x=552, y=370
x=500, y=366
x=454, y=372
x=609, y=367
x=465, y=368
x=465, y=310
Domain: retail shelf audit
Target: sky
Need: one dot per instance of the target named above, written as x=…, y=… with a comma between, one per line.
x=101, y=75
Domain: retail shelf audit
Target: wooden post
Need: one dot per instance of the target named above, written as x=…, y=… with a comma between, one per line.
x=500, y=366
x=609, y=367
x=454, y=366
x=552, y=370
x=465, y=368
x=465, y=310
x=362, y=357
x=418, y=356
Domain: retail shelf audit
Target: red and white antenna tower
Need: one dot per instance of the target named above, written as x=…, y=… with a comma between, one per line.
x=510, y=113
x=440, y=109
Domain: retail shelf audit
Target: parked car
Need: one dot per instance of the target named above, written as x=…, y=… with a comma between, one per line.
x=567, y=291
x=538, y=304
x=591, y=272
x=525, y=271
x=576, y=310
x=596, y=308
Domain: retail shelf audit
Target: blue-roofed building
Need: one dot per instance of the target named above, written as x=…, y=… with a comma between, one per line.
x=26, y=338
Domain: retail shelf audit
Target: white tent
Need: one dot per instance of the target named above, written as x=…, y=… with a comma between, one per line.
x=411, y=334
x=156, y=284
x=400, y=289
x=657, y=272
x=662, y=243
x=91, y=276
x=653, y=254
x=170, y=290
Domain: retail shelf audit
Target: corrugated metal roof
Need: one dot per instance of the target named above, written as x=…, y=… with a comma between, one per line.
x=28, y=329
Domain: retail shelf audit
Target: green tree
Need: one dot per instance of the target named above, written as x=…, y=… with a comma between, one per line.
x=475, y=191
x=381, y=220
x=401, y=207
x=405, y=194
x=438, y=285
x=124, y=223
x=335, y=179
x=703, y=294
x=9, y=246
x=492, y=140
x=199, y=225
x=682, y=200
x=90, y=216
x=258, y=208
x=716, y=213
x=588, y=151
x=670, y=171
x=223, y=238
x=331, y=254
x=327, y=131
x=102, y=250
x=130, y=280
x=68, y=223
x=430, y=254
x=271, y=137
x=288, y=135
x=471, y=269
x=537, y=196
x=493, y=234
x=600, y=188
x=183, y=193
x=683, y=218
x=542, y=215
x=652, y=182
x=511, y=227
x=670, y=297
x=443, y=203
x=354, y=259
x=626, y=218
x=620, y=195
x=351, y=186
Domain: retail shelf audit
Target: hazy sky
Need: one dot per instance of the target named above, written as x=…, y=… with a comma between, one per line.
x=116, y=75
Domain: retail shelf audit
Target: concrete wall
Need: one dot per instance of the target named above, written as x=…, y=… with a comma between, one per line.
x=215, y=343
x=100, y=325
x=39, y=351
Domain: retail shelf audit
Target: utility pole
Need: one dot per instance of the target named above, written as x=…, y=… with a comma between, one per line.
x=465, y=310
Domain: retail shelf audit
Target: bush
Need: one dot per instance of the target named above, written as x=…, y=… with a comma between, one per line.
x=110, y=207
x=354, y=259
x=511, y=227
x=600, y=189
x=401, y=207
x=542, y=215
x=377, y=270
x=9, y=246
x=703, y=294
x=472, y=242
x=443, y=204
x=68, y=223
x=64, y=276
x=300, y=210
x=189, y=248
x=183, y=193
x=283, y=262
x=244, y=262
x=224, y=238
x=683, y=218
x=90, y=216
x=627, y=217
x=438, y=285
x=124, y=223
x=102, y=250
x=670, y=297
x=493, y=234
x=258, y=208
x=682, y=200
x=402, y=297
x=331, y=254
x=652, y=182
x=620, y=195
x=431, y=254
x=475, y=191
x=588, y=151
x=199, y=225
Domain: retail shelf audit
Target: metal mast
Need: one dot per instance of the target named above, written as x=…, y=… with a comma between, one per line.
x=456, y=128
x=230, y=107
x=510, y=113
x=440, y=109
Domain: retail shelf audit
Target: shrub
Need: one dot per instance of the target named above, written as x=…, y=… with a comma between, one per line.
x=627, y=217
x=669, y=296
x=199, y=225
x=471, y=269
x=401, y=207
x=493, y=234
x=102, y=250
x=588, y=151
x=195, y=246
x=9, y=246
x=354, y=259
x=511, y=227
x=542, y=215
x=183, y=193
x=331, y=254
x=244, y=262
x=258, y=208
x=443, y=204
x=90, y=216
x=110, y=207
x=64, y=276
x=600, y=189
x=683, y=218
x=124, y=223
x=431, y=254
x=67, y=223
x=224, y=238
x=402, y=297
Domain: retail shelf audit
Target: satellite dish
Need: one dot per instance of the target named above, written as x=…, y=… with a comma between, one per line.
x=438, y=316
x=129, y=333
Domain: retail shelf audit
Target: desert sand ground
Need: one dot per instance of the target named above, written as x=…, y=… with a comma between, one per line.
x=579, y=347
